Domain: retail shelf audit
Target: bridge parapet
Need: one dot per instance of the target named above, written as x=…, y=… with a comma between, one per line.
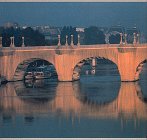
x=72, y=45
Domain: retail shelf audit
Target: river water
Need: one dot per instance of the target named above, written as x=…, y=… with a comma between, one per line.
x=98, y=105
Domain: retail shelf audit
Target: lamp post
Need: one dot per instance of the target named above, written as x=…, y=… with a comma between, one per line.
x=12, y=42
x=23, y=42
x=134, y=40
x=72, y=44
x=125, y=38
x=66, y=41
x=59, y=43
x=138, y=38
x=121, y=38
x=78, y=44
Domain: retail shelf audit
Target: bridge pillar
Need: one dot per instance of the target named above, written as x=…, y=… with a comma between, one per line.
x=127, y=67
x=64, y=67
x=7, y=67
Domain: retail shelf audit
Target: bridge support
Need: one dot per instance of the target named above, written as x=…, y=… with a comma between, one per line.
x=127, y=67
x=63, y=65
x=128, y=76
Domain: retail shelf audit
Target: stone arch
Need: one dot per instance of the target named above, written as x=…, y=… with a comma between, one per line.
x=139, y=68
x=81, y=62
x=21, y=68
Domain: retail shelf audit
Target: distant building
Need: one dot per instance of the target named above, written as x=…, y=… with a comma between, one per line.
x=80, y=29
x=10, y=24
x=24, y=27
x=50, y=33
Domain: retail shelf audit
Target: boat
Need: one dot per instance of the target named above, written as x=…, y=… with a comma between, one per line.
x=42, y=73
x=29, y=75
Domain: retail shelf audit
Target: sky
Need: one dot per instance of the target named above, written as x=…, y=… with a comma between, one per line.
x=79, y=14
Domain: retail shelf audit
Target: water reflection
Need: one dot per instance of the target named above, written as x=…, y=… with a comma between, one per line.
x=68, y=99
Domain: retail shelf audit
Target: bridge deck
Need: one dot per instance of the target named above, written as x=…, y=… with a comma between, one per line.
x=83, y=47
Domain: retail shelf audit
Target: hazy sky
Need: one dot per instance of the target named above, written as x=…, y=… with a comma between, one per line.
x=75, y=14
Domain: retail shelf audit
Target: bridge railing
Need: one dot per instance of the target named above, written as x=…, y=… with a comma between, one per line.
x=123, y=42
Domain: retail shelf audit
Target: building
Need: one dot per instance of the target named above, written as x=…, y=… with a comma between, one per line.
x=50, y=33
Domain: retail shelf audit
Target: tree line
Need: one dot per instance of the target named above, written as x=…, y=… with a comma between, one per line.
x=32, y=38
x=91, y=35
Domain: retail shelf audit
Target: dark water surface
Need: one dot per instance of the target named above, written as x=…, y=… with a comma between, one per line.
x=98, y=105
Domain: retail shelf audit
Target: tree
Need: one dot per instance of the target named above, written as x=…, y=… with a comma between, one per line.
x=69, y=30
x=6, y=34
x=6, y=40
x=18, y=37
x=94, y=36
x=33, y=38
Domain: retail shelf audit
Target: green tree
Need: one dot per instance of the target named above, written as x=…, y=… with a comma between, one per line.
x=33, y=38
x=94, y=36
x=18, y=37
x=69, y=30
x=6, y=34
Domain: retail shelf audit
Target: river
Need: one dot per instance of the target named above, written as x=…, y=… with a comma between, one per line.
x=98, y=105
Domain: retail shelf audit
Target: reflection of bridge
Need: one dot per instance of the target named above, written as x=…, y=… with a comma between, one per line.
x=128, y=58
x=67, y=99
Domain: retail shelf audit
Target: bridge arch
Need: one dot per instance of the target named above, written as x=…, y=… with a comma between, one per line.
x=139, y=68
x=21, y=67
x=79, y=64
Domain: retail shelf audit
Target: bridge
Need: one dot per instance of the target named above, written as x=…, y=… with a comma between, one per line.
x=129, y=58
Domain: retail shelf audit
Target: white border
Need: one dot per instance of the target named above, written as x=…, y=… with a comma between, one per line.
x=73, y=0
x=73, y=138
